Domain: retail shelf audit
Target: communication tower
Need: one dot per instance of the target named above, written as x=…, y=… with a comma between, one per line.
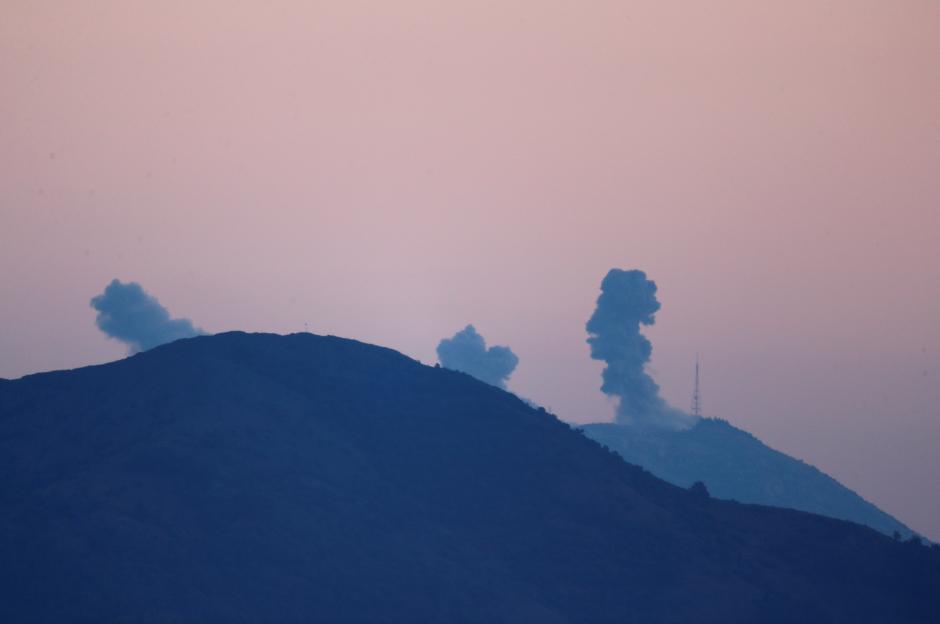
x=696, y=395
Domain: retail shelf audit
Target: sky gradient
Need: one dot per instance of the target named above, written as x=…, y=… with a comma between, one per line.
x=394, y=171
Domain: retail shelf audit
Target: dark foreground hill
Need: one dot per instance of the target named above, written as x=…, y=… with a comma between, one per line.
x=735, y=465
x=301, y=478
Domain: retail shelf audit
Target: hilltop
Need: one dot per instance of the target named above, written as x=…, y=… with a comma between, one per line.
x=255, y=477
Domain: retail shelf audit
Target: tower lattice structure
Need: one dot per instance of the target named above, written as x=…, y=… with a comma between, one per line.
x=696, y=394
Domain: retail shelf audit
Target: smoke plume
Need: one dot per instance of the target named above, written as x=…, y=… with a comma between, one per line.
x=628, y=300
x=466, y=352
x=127, y=313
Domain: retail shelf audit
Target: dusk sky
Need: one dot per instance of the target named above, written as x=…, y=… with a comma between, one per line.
x=392, y=171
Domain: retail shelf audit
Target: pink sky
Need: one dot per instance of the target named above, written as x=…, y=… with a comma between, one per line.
x=391, y=171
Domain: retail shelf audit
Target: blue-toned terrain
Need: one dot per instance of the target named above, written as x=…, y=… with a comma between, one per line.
x=264, y=478
x=735, y=465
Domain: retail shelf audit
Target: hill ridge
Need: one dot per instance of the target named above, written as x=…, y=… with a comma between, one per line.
x=257, y=477
x=734, y=464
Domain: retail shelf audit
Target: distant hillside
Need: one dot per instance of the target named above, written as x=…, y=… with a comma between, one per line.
x=735, y=465
x=262, y=478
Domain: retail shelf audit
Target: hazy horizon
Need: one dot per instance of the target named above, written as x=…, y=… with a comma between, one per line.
x=393, y=173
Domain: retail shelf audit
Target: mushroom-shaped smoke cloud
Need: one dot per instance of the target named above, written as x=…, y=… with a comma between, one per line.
x=628, y=300
x=126, y=312
x=466, y=352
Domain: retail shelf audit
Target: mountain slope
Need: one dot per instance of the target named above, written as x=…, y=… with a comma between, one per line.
x=299, y=478
x=735, y=465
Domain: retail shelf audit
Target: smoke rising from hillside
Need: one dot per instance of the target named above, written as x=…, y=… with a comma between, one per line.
x=627, y=301
x=126, y=312
x=466, y=352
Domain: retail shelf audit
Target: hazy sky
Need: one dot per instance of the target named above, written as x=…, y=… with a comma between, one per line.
x=392, y=171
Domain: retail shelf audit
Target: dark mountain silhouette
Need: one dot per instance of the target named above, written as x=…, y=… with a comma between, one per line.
x=735, y=465
x=301, y=478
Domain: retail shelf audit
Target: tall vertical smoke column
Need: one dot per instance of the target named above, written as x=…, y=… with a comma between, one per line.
x=628, y=300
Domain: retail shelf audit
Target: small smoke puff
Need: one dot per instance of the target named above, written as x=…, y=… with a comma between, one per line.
x=466, y=352
x=126, y=312
x=627, y=301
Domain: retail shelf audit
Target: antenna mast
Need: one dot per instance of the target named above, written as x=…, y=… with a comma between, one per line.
x=696, y=395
